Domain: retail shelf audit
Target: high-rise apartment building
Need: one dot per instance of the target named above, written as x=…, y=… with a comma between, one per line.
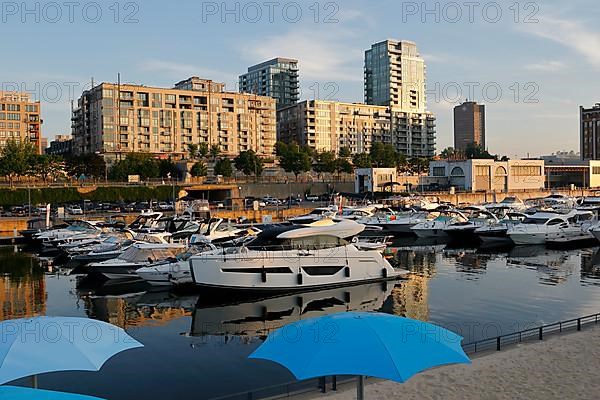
x=277, y=78
x=469, y=125
x=329, y=126
x=114, y=119
x=20, y=119
x=589, y=132
x=394, y=76
x=61, y=145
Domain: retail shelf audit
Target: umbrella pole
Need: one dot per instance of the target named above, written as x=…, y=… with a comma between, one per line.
x=360, y=388
x=34, y=383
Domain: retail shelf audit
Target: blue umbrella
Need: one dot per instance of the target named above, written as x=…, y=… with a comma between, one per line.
x=363, y=344
x=18, y=393
x=47, y=344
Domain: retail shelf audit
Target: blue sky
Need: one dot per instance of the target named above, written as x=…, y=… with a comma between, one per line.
x=544, y=59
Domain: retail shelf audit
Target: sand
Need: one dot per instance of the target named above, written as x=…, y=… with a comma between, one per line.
x=561, y=367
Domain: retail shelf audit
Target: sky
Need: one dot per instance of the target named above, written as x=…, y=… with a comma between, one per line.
x=531, y=63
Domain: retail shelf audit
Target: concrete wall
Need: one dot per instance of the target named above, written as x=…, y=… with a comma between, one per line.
x=282, y=190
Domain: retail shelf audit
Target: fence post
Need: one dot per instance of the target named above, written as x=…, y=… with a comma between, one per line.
x=541, y=334
x=323, y=384
x=334, y=383
x=578, y=324
x=250, y=397
x=498, y=343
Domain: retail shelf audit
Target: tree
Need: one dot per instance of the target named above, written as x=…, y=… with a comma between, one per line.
x=215, y=150
x=326, y=162
x=384, y=155
x=293, y=158
x=419, y=165
x=17, y=159
x=361, y=160
x=48, y=166
x=345, y=152
x=199, y=169
x=88, y=165
x=142, y=164
x=476, y=151
x=343, y=166
x=203, y=149
x=449, y=152
x=192, y=150
x=167, y=168
x=249, y=163
x=223, y=167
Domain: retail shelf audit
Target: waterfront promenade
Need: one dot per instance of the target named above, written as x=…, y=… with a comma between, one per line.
x=561, y=367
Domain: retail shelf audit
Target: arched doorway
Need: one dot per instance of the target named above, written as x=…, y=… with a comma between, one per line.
x=501, y=179
x=457, y=178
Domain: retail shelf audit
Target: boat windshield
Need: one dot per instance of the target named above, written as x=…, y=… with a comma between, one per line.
x=535, y=221
x=137, y=254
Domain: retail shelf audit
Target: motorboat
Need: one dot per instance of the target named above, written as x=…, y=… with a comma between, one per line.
x=218, y=230
x=465, y=230
x=293, y=257
x=108, y=249
x=135, y=257
x=547, y=226
x=512, y=203
x=315, y=215
x=436, y=227
x=497, y=233
x=75, y=228
x=173, y=271
x=396, y=223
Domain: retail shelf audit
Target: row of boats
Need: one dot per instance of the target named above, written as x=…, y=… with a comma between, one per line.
x=329, y=247
x=218, y=255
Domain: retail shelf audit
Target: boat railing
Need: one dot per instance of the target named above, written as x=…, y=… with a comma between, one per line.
x=492, y=344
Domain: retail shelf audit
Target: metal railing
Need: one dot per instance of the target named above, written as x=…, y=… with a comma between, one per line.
x=293, y=388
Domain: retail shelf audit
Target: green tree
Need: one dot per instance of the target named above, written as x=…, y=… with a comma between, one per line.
x=449, y=152
x=293, y=158
x=249, y=163
x=192, y=150
x=199, y=169
x=419, y=165
x=326, y=162
x=361, y=160
x=17, y=159
x=203, y=149
x=215, y=150
x=345, y=152
x=384, y=155
x=167, y=168
x=223, y=167
x=342, y=165
x=142, y=164
x=88, y=165
x=476, y=151
x=48, y=166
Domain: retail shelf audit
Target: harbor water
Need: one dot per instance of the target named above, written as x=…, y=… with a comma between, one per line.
x=197, y=345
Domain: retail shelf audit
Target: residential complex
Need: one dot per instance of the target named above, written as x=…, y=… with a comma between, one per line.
x=20, y=119
x=329, y=125
x=589, y=133
x=115, y=119
x=469, y=125
x=61, y=145
x=277, y=78
x=394, y=76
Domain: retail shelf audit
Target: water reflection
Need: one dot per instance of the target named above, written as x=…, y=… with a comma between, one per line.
x=590, y=267
x=552, y=266
x=22, y=285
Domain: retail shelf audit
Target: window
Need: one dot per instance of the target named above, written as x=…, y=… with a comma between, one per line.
x=526, y=170
x=555, y=222
x=482, y=170
x=439, y=171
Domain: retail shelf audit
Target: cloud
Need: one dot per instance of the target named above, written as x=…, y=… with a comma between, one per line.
x=322, y=58
x=569, y=33
x=546, y=66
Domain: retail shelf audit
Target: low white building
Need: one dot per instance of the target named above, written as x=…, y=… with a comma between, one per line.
x=488, y=175
x=374, y=179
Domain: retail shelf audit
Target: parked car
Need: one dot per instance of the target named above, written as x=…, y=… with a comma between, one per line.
x=74, y=210
x=271, y=201
x=311, y=197
x=164, y=206
x=292, y=201
x=249, y=202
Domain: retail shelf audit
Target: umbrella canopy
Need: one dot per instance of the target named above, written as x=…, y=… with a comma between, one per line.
x=364, y=344
x=17, y=393
x=47, y=344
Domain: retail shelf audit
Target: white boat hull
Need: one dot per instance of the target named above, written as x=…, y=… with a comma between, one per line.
x=290, y=269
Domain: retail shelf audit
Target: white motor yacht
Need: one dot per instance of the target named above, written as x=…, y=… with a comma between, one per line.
x=292, y=257
x=465, y=230
x=542, y=227
x=79, y=227
x=436, y=228
x=173, y=272
x=396, y=223
x=497, y=233
x=137, y=256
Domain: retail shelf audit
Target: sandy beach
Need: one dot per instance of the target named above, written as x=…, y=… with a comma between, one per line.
x=561, y=367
